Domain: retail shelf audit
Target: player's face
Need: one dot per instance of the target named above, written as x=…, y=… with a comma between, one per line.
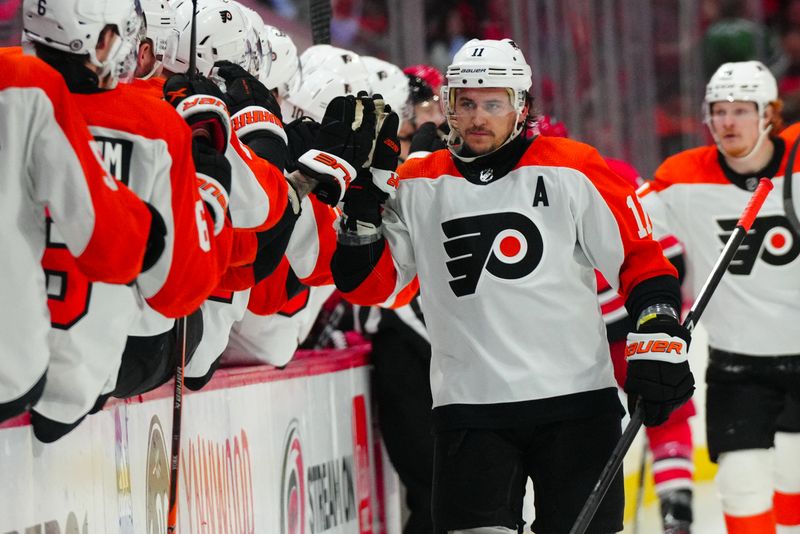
x=485, y=118
x=736, y=126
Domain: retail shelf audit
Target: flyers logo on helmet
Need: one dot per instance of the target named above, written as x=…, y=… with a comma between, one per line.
x=771, y=238
x=507, y=245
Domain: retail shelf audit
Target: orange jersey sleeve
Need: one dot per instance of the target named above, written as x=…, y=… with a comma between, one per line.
x=104, y=224
x=151, y=151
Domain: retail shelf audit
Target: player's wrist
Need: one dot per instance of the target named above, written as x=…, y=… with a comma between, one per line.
x=657, y=312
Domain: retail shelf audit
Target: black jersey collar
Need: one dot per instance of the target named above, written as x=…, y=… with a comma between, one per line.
x=490, y=168
x=748, y=182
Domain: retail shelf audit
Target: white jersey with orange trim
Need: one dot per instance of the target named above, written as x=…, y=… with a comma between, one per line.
x=755, y=308
x=273, y=339
x=306, y=260
x=612, y=305
x=48, y=161
x=506, y=267
x=149, y=151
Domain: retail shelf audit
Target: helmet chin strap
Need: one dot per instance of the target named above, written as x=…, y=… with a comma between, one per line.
x=762, y=136
x=455, y=143
x=156, y=65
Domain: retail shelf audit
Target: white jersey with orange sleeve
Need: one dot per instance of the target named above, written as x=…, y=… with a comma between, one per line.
x=754, y=310
x=47, y=155
x=612, y=305
x=506, y=269
x=149, y=151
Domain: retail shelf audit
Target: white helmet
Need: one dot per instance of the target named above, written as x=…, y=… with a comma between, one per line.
x=487, y=63
x=159, y=17
x=222, y=34
x=312, y=96
x=345, y=63
x=284, y=71
x=391, y=83
x=261, y=53
x=745, y=81
x=74, y=26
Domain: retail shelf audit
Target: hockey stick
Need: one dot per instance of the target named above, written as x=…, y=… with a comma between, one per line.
x=618, y=454
x=791, y=194
x=177, y=412
x=320, y=11
x=637, y=505
x=180, y=326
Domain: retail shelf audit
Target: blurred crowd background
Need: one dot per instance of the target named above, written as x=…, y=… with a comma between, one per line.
x=625, y=75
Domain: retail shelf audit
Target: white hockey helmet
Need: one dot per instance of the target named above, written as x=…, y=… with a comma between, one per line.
x=284, y=71
x=742, y=81
x=261, y=53
x=312, y=96
x=222, y=34
x=345, y=63
x=161, y=30
x=75, y=26
x=491, y=63
x=391, y=83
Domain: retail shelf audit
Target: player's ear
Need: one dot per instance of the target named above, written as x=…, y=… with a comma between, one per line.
x=145, y=49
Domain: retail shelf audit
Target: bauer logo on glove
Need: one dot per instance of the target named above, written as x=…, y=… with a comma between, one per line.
x=329, y=169
x=656, y=347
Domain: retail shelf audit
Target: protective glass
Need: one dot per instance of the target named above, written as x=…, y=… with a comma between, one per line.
x=477, y=104
x=125, y=59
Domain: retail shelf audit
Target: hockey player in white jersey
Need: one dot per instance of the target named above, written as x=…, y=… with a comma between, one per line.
x=50, y=162
x=753, y=374
x=152, y=152
x=504, y=234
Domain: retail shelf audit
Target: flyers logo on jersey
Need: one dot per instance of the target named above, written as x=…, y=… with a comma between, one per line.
x=508, y=246
x=771, y=238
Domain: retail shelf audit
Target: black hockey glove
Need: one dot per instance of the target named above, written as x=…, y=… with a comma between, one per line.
x=255, y=114
x=366, y=195
x=386, y=153
x=244, y=90
x=301, y=134
x=156, y=239
x=213, y=180
x=658, y=372
x=428, y=138
x=201, y=104
x=342, y=146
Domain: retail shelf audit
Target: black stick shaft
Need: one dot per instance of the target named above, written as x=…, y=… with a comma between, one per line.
x=177, y=412
x=320, y=11
x=193, y=42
